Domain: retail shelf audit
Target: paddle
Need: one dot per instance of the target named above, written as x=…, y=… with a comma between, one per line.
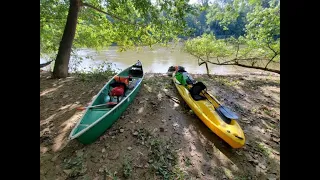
x=225, y=111
x=99, y=105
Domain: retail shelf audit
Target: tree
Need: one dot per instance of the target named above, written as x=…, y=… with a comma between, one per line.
x=259, y=47
x=98, y=23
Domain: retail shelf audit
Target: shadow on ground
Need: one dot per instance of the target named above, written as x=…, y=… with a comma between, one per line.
x=200, y=153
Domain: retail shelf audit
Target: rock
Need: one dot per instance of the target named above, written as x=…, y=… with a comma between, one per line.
x=276, y=152
x=170, y=157
x=103, y=150
x=101, y=170
x=113, y=156
x=67, y=171
x=271, y=177
x=138, y=166
x=163, y=120
x=258, y=169
x=129, y=148
x=192, y=153
x=135, y=133
x=277, y=140
x=262, y=166
x=161, y=129
x=146, y=166
x=202, y=174
x=121, y=130
x=254, y=161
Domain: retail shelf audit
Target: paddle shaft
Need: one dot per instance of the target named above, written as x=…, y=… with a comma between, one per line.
x=98, y=105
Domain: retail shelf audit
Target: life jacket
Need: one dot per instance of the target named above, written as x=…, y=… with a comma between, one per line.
x=124, y=80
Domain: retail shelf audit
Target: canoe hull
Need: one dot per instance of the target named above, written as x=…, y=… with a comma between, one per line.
x=101, y=114
x=105, y=123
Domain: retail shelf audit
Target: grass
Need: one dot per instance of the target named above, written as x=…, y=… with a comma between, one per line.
x=265, y=151
x=101, y=73
x=74, y=166
x=225, y=81
x=143, y=135
x=110, y=175
x=187, y=161
x=127, y=167
x=272, y=125
x=162, y=158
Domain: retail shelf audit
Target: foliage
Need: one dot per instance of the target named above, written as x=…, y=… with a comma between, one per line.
x=100, y=73
x=207, y=46
x=128, y=23
x=259, y=46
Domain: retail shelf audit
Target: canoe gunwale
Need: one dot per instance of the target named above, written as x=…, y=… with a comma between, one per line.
x=71, y=137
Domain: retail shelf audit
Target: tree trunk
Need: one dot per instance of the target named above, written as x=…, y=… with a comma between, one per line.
x=207, y=68
x=62, y=61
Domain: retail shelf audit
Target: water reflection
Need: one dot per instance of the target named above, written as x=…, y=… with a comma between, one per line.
x=154, y=60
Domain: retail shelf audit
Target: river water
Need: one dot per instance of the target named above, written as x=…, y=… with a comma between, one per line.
x=155, y=60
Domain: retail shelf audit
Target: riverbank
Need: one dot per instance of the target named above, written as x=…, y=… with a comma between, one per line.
x=155, y=132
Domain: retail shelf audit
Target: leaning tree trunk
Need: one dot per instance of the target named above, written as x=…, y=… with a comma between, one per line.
x=62, y=61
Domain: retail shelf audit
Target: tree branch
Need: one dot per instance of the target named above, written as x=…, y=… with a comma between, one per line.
x=270, y=60
x=268, y=44
x=112, y=15
x=246, y=66
x=198, y=57
x=275, y=54
x=236, y=59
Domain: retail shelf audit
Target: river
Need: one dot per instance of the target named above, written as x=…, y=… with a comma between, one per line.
x=155, y=60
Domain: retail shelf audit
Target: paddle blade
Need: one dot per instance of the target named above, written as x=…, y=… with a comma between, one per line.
x=81, y=108
x=227, y=112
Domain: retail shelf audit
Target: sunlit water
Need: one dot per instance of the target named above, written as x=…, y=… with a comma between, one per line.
x=156, y=60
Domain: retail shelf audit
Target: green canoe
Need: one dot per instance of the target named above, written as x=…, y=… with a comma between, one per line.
x=104, y=109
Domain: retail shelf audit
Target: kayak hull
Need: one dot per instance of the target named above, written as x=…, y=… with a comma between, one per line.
x=207, y=113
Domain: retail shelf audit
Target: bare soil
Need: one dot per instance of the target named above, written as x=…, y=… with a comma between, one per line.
x=155, y=123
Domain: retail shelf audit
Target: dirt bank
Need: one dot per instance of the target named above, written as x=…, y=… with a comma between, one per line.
x=157, y=137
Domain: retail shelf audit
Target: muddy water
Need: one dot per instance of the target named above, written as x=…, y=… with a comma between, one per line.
x=155, y=60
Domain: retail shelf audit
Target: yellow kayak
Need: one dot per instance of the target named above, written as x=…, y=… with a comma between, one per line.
x=213, y=114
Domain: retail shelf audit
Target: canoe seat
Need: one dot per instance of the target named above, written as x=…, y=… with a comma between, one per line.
x=136, y=70
x=195, y=91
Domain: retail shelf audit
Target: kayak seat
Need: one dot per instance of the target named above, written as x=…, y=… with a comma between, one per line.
x=195, y=91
